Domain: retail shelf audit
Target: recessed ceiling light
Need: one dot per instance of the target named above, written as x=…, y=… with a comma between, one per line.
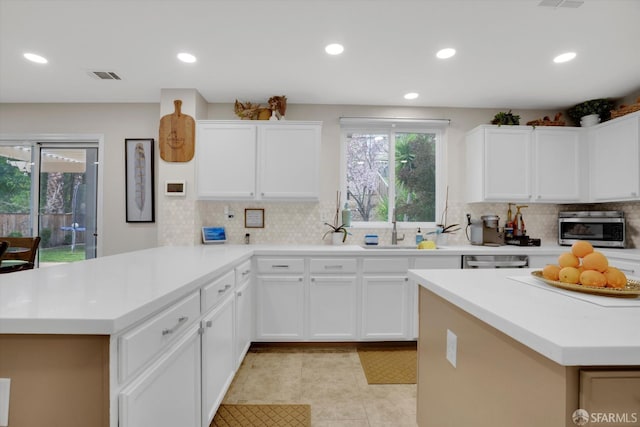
x=36, y=58
x=186, y=57
x=446, y=53
x=564, y=57
x=411, y=95
x=334, y=49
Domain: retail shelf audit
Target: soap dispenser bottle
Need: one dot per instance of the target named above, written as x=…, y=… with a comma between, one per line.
x=346, y=215
x=419, y=237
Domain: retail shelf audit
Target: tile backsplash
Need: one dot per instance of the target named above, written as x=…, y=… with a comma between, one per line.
x=303, y=223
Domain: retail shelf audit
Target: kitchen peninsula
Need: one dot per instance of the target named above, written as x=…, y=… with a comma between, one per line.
x=498, y=348
x=101, y=342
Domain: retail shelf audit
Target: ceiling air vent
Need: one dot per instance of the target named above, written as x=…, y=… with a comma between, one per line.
x=561, y=3
x=105, y=75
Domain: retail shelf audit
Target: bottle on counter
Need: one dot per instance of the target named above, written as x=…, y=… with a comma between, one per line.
x=346, y=215
x=519, y=228
x=419, y=236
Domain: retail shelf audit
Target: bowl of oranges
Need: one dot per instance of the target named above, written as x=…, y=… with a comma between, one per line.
x=584, y=269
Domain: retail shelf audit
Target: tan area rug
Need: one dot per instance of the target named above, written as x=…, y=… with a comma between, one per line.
x=262, y=415
x=389, y=366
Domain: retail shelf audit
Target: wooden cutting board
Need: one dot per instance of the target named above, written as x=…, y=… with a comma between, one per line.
x=177, y=135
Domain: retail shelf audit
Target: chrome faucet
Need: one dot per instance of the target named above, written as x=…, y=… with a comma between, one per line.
x=394, y=233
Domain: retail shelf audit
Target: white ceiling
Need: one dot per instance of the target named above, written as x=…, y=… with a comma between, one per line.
x=253, y=49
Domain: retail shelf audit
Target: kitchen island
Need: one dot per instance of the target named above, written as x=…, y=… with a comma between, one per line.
x=498, y=348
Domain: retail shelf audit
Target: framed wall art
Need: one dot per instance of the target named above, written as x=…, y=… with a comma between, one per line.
x=139, y=188
x=254, y=218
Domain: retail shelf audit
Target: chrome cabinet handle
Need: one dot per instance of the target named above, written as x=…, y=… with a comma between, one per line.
x=279, y=266
x=181, y=321
x=239, y=293
x=244, y=273
x=222, y=291
x=209, y=323
x=627, y=270
x=331, y=267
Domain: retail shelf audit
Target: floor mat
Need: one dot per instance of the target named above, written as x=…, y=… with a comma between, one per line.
x=389, y=366
x=262, y=416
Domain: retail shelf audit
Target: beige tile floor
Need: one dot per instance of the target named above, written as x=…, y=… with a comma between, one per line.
x=331, y=380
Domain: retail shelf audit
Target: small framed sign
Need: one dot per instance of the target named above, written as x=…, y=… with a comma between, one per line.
x=254, y=218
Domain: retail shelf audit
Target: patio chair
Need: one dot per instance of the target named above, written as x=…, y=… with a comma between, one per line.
x=3, y=247
x=20, y=255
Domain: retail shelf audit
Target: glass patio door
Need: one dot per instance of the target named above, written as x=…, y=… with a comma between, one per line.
x=50, y=189
x=67, y=203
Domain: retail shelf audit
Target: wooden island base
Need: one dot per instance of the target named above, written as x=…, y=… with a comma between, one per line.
x=498, y=382
x=56, y=380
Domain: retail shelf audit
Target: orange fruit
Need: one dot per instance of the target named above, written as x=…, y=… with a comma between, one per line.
x=615, y=278
x=593, y=278
x=595, y=261
x=581, y=248
x=569, y=275
x=551, y=272
x=567, y=259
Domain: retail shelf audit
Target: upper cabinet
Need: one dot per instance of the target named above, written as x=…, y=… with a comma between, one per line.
x=242, y=160
x=614, y=160
x=523, y=164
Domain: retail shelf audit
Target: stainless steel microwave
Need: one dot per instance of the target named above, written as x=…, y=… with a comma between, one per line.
x=605, y=229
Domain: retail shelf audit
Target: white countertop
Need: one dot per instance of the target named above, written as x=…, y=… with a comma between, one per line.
x=565, y=329
x=108, y=294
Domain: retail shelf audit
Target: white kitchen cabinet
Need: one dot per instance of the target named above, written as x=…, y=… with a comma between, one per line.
x=168, y=393
x=558, y=160
x=525, y=164
x=499, y=164
x=240, y=160
x=218, y=361
x=333, y=299
x=386, y=310
x=280, y=293
x=289, y=165
x=244, y=312
x=226, y=160
x=614, y=159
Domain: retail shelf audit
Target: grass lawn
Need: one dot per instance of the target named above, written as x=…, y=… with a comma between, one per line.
x=62, y=254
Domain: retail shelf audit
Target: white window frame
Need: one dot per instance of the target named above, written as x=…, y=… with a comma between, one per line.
x=392, y=127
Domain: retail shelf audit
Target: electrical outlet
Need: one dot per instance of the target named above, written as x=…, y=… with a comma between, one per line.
x=5, y=388
x=452, y=347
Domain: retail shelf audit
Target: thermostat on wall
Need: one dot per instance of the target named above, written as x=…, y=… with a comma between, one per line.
x=175, y=188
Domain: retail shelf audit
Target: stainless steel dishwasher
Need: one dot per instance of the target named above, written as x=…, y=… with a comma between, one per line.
x=495, y=261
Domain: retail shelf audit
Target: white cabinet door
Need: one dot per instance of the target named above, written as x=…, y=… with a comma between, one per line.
x=226, y=161
x=289, y=161
x=498, y=164
x=244, y=321
x=385, y=302
x=332, y=308
x=557, y=160
x=614, y=160
x=218, y=362
x=168, y=393
x=280, y=308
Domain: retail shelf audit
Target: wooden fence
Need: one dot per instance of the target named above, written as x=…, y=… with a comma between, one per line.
x=51, y=232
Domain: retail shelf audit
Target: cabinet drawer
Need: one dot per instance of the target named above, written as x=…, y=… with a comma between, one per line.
x=217, y=290
x=438, y=262
x=333, y=265
x=386, y=265
x=281, y=265
x=142, y=343
x=243, y=272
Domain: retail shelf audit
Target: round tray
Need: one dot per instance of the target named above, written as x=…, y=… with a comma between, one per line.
x=632, y=290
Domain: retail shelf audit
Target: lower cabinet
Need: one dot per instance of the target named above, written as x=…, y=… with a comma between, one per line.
x=168, y=393
x=218, y=361
x=280, y=308
x=332, y=308
x=244, y=321
x=385, y=305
